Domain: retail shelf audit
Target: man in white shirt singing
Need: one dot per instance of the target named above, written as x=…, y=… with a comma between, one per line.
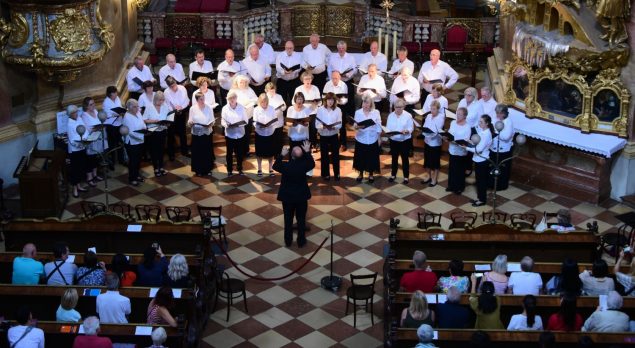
x=136, y=76
x=436, y=71
x=176, y=99
x=266, y=51
x=407, y=88
x=288, y=66
x=200, y=65
x=374, y=57
x=258, y=70
x=227, y=70
x=315, y=57
x=401, y=61
x=374, y=85
x=345, y=64
x=171, y=68
x=488, y=103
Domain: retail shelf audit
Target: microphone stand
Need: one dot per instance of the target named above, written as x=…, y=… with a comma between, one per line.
x=331, y=282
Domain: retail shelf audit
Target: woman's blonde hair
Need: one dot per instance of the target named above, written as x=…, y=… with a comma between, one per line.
x=418, y=305
x=69, y=299
x=202, y=79
x=262, y=97
x=306, y=74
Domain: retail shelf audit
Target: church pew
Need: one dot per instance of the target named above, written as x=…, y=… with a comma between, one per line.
x=63, y=334
x=488, y=240
x=504, y=339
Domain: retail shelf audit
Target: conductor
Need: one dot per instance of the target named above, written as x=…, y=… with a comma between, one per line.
x=294, y=191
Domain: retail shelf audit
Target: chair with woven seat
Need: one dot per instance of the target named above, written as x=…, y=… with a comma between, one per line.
x=226, y=287
x=178, y=214
x=612, y=243
x=428, y=219
x=523, y=221
x=498, y=215
x=462, y=219
x=216, y=219
x=148, y=212
x=90, y=208
x=121, y=208
x=362, y=289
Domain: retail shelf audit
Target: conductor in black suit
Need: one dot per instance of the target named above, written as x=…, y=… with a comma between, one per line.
x=294, y=190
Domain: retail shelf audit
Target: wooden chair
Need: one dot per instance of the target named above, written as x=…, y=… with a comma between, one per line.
x=216, y=219
x=148, y=212
x=612, y=243
x=178, y=214
x=523, y=221
x=363, y=291
x=499, y=215
x=121, y=208
x=226, y=287
x=90, y=208
x=428, y=219
x=462, y=219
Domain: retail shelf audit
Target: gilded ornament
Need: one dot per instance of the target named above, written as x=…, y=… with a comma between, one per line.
x=71, y=31
x=19, y=30
x=5, y=31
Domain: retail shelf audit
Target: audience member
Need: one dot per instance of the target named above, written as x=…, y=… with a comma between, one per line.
x=90, y=339
x=547, y=340
x=93, y=273
x=425, y=333
x=567, y=318
x=527, y=320
x=26, y=269
x=480, y=339
x=609, y=320
x=418, y=312
x=421, y=278
x=178, y=273
x=60, y=272
x=25, y=334
x=112, y=307
x=626, y=280
x=497, y=275
x=451, y=314
x=486, y=306
x=456, y=278
x=568, y=281
x=564, y=221
x=66, y=311
x=159, y=308
x=525, y=282
x=121, y=267
x=596, y=282
x=158, y=338
x=151, y=272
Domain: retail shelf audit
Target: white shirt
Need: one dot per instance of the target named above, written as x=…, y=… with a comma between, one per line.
x=312, y=94
x=329, y=116
x=519, y=322
x=178, y=98
x=481, y=151
x=111, y=104
x=460, y=133
x=144, y=75
x=151, y=112
x=489, y=107
x=474, y=112
x=264, y=116
x=298, y=132
x=133, y=123
x=258, y=70
x=341, y=88
x=210, y=97
x=525, y=283
x=440, y=71
x=316, y=57
x=177, y=73
x=112, y=308
x=368, y=135
x=435, y=124
x=202, y=116
x=74, y=140
x=34, y=339
x=67, y=269
x=397, y=65
x=206, y=68
x=377, y=83
x=442, y=100
x=380, y=60
x=267, y=53
x=276, y=99
x=248, y=99
x=289, y=61
x=231, y=116
x=224, y=79
x=99, y=145
x=505, y=139
x=144, y=101
x=342, y=64
x=400, y=123
x=413, y=93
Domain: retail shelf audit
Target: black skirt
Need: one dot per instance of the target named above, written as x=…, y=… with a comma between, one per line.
x=278, y=136
x=78, y=167
x=366, y=157
x=265, y=145
x=201, y=154
x=432, y=157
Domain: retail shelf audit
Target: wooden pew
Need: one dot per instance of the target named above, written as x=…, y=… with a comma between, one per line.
x=488, y=240
x=505, y=339
x=63, y=334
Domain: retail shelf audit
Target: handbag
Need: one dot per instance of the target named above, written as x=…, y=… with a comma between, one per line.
x=542, y=225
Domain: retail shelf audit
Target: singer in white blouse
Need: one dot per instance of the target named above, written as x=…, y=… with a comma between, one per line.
x=279, y=106
x=400, y=121
x=203, y=84
x=201, y=121
x=232, y=114
x=155, y=113
x=247, y=98
x=458, y=162
x=432, y=150
x=76, y=151
x=436, y=94
x=92, y=122
x=134, y=141
x=264, y=114
x=501, y=149
x=328, y=123
x=485, y=130
x=312, y=99
x=366, y=157
x=298, y=128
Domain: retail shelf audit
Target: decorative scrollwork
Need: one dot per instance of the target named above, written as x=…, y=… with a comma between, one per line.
x=72, y=31
x=19, y=30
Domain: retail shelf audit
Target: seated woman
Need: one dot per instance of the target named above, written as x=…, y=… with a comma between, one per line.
x=121, y=267
x=178, y=272
x=159, y=308
x=66, y=311
x=564, y=222
x=527, y=320
x=151, y=272
x=486, y=306
x=418, y=312
x=626, y=280
x=568, y=281
x=567, y=318
x=497, y=275
x=610, y=320
x=93, y=273
x=596, y=282
x=456, y=278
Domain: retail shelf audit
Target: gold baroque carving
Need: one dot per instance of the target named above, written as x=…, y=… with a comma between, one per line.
x=71, y=31
x=307, y=19
x=473, y=28
x=19, y=30
x=340, y=21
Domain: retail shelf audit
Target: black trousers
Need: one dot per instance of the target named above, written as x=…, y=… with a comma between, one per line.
x=456, y=172
x=299, y=210
x=235, y=147
x=286, y=88
x=319, y=80
x=178, y=129
x=134, y=161
x=223, y=96
x=312, y=131
x=249, y=127
x=410, y=109
x=400, y=149
x=78, y=168
x=114, y=140
x=424, y=95
x=481, y=170
x=330, y=152
x=156, y=143
x=505, y=170
x=258, y=89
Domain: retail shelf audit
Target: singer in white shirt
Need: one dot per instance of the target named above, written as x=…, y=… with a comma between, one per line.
x=134, y=141
x=76, y=151
x=501, y=149
x=315, y=57
x=200, y=65
x=227, y=70
x=232, y=114
x=436, y=69
x=203, y=84
x=147, y=96
x=459, y=161
x=328, y=123
x=436, y=94
x=488, y=103
x=265, y=141
x=156, y=112
x=279, y=106
x=340, y=89
x=201, y=119
x=171, y=68
x=177, y=100
x=474, y=110
x=400, y=121
x=401, y=62
x=258, y=69
x=312, y=99
x=432, y=150
x=289, y=79
x=373, y=84
x=299, y=126
x=485, y=130
x=140, y=73
x=366, y=158
x=374, y=57
x=410, y=88
x=266, y=51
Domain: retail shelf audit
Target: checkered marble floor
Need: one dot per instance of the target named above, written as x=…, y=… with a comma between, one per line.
x=296, y=311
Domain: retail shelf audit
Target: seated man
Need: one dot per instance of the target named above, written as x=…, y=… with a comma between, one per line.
x=25, y=334
x=609, y=319
x=26, y=269
x=451, y=314
x=419, y=279
x=60, y=272
x=111, y=306
x=525, y=282
x=158, y=337
x=425, y=333
x=90, y=338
